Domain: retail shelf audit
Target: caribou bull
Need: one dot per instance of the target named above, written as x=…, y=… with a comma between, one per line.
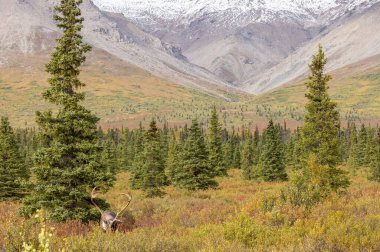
x=109, y=219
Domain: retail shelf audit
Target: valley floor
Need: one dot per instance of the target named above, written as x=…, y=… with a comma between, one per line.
x=239, y=216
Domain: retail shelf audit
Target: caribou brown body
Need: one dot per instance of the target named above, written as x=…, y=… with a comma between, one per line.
x=109, y=219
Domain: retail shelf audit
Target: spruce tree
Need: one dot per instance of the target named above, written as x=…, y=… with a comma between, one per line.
x=13, y=171
x=247, y=157
x=236, y=159
x=69, y=164
x=352, y=161
x=215, y=146
x=271, y=166
x=135, y=155
x=370, y=148
x=194, y=172
x=228, y=154
x=109, y=156
x=294, y=151
x=320, y=131
x=172, y=160
x=360, y=148
x=148, y=173
x=375, y=164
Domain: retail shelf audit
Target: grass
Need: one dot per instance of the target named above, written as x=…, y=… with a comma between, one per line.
x=239, y=216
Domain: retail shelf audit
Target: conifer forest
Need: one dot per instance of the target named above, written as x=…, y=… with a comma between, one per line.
x=71, y=183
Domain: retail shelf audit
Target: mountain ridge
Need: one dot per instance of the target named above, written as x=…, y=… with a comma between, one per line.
x=240, y=41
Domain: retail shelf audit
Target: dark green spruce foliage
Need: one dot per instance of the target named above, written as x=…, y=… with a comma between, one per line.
x=150, y=167
x=109, y=156
x=352, y=161
x=247, y=158
x=271, y=166
x=370, y=148
x=69, y=164
x=194, y=172
x=320, y=131
x=135, y=154
x=360, y=148
x=172, y=160
x=294, y=151
x=13, y=171
x=215, y=146
x=375, y=162
x=236, y=158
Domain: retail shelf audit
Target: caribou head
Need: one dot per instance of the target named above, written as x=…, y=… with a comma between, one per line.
x=109, y=219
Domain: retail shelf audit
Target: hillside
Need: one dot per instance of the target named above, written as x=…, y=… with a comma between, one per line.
x=123, y=95
x=138, y=71
x=355, y=88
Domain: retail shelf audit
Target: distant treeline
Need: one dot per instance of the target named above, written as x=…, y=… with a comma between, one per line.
x=180, y=155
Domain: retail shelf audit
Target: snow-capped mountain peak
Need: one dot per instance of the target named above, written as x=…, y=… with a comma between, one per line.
x=258, y=10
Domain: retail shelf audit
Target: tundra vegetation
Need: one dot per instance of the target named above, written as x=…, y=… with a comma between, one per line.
x=195, y=187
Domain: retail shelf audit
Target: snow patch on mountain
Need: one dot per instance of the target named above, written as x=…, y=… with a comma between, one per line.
x=184, y=11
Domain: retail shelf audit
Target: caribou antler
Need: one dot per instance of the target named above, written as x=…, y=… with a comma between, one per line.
x=109, y=219
x=93, y=202
x=125, y=207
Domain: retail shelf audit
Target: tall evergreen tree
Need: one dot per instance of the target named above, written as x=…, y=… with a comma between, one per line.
x=69, y=163
x=370, y=148
x=194, y=171
x=236, y=158
x=228, y=153
x=172, y=160
x=320, y=131
x=109, y=155
x=352, y=161
x=215, y=146
x=271, y=166
x=375, y=164
x=135, y=155
x=247, y=158
x=13, y=171
x=150, y=167
x=360, y=148
x=294, y=150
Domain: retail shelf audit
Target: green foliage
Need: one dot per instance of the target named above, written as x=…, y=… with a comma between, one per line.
x=149, y=169
x=360, y=148
x=194, y=171
x=14, y=174
x=173, y=159
x=271, y=166
x=293, y=150
x=244, y=230
x=247, y=158
x=215, y=146
x=375, y=160
x=320, y=131
x=70, y=161
x=110, y=157
x=309, y=186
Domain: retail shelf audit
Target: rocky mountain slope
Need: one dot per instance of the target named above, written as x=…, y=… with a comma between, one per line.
x=27, y=28
x=346, y=42
x=240, y=40
x=212, y=46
